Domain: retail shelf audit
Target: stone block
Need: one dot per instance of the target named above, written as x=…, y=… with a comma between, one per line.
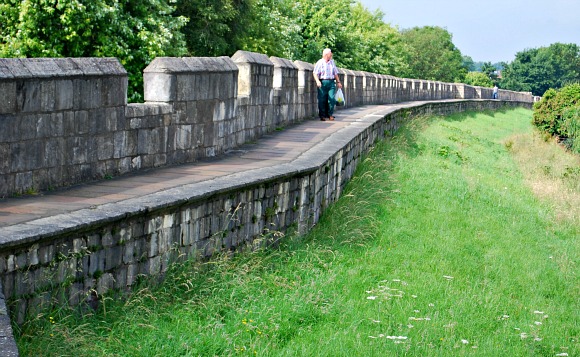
x=47, y=95
x=9, y=103
x=98, y=123
x=114, y=91
x=113, y=258
x=28, y=94
x=87, y=93
x=105, y=147
x=160, y=87
x=9, y=128
x=132, y=273
x=104, y=283
x=96, y=262
x=153, y=265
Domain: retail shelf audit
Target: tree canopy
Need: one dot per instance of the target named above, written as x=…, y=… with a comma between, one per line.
x=431, y=54
x=478, y=79
x=539, y=69
x=133, y=31
x=138, y=31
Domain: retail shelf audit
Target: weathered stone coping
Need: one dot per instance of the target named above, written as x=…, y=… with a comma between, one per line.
x=309, y=161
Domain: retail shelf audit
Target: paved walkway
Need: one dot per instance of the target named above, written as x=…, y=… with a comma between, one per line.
x=276, y=148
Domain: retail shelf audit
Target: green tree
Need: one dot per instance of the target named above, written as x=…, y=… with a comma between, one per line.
x=374, y=45
x=469, y=64
x=489, y=70
x=215, y=27
x=272, y=30
x=549, y=113
x=478, y=79
x=432, y=55
x=322, y=24
x=133, y=31
x=538, y=69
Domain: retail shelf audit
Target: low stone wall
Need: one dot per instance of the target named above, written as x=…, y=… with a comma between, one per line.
x=65, y=121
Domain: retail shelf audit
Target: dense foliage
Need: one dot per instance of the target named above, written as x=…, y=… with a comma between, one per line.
x=431, y=54
x=539, y=69
x=136, y=32
x=478, y=79
x=558, y=114
x=133, y=31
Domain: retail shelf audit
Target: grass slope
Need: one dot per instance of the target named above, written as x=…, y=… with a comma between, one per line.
x=439, y=247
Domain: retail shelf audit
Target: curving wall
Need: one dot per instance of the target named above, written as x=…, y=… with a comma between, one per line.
x=64, y=121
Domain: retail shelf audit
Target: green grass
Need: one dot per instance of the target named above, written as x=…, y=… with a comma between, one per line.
x=438, y=247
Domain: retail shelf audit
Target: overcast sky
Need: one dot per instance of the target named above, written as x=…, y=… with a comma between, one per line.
x=489, y=30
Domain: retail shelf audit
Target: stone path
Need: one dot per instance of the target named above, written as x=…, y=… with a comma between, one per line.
x=273, y=149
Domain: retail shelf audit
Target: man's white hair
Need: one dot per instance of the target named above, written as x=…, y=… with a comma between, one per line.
x=326, y=50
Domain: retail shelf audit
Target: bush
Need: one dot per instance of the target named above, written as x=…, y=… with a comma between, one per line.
x=557, y=113
x=478, y=79
x=571, y=128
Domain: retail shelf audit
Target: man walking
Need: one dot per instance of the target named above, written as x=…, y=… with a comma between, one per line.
x=326, y=77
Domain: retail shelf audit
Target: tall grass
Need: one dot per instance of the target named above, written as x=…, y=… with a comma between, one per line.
x=439, y=247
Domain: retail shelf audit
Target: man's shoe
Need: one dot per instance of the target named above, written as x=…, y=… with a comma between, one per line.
x=323, y=119
x=331, y=118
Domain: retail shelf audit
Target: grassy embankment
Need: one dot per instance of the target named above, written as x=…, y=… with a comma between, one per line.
x=460, y=236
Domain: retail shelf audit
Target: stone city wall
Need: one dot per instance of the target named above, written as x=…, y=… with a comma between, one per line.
x=80, y=256
x=65, y=121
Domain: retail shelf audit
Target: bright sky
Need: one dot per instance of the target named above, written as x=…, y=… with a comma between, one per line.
x=489, y=30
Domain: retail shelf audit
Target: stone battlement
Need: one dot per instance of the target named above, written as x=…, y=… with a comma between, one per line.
x=65, y=121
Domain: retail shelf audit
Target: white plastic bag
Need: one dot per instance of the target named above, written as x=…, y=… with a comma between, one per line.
x=339, y=96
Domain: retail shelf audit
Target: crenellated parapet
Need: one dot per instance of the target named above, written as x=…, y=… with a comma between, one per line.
x=65, y=121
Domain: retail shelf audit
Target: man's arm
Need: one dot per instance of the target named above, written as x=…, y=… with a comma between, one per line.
x=318, y=83
x=337, y=79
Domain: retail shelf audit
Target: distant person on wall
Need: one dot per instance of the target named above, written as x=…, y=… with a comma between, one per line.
x=326, y=77
x=495, y=91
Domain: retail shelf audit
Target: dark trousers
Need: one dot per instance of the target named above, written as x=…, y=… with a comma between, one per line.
x=326, y=100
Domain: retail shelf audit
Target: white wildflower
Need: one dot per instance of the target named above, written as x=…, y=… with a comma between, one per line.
x=396, y=337
x=410, y=326
x=431, y=305
x=416, y=311
x=563, y=354
x=538, y=312
x=376, y=321
x=465, y=342
x=371, y=297
x=414, y=296
x=523, y=335
x=397, y=280
x=537, y=323
x=447, y=277
x=537, y=339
